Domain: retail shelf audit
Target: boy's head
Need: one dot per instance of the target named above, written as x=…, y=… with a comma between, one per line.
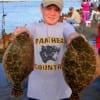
x=58, y=3
x=51, y=10
x=71, y=9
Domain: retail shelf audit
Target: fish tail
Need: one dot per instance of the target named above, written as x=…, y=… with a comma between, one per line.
x=74, y=97
x=17, y=90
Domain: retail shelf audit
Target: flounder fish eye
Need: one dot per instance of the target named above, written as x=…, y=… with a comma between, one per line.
x=22, y=38
x=23, y=35
x=79, y=40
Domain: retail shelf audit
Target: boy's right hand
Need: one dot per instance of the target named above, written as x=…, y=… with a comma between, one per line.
x=18, y=30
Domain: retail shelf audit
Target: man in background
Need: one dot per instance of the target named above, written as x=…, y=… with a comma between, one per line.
x=75, y=16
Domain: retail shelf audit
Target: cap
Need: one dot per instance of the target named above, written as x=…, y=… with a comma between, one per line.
x=58, y=3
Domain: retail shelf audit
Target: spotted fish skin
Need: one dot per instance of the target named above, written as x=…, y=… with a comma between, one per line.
x=79, y=65
x=18, y=61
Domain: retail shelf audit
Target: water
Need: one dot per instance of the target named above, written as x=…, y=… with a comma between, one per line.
x=21, y=13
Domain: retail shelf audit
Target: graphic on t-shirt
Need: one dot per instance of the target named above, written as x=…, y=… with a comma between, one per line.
x=49, y=53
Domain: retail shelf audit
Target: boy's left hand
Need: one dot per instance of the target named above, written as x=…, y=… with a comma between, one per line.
x=71, y=37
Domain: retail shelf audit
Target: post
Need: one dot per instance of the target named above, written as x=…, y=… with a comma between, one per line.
x=3, y=19
x=98, y=37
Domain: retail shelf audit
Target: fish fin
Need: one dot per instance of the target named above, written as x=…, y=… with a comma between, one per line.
x=17, y=90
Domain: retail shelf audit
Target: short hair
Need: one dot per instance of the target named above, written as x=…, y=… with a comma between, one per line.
x=98, y=8
x=71, y=8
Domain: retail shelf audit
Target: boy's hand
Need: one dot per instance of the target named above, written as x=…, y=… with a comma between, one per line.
x=19, y=30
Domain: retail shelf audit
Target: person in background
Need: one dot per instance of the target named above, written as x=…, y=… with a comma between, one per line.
x=50, y=38
x=95, y=13
x=85, y=10
x=75, y=16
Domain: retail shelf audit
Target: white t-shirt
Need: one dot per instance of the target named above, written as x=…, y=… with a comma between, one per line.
x=46, y=82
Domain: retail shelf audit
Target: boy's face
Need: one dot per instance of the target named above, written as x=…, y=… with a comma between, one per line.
x=51, y=14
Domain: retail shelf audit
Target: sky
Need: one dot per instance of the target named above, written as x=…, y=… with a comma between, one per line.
x=15, y=0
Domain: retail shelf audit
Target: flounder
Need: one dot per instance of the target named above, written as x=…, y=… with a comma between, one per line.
x=79, y=65
x=18, y=61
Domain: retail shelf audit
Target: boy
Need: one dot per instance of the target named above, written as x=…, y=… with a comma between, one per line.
x=50, y=37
